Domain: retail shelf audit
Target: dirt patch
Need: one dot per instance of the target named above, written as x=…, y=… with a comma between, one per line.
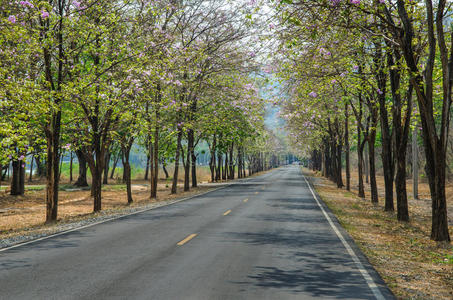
x=412, y=265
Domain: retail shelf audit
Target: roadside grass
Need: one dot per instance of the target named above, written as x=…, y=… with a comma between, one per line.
x=412, y=265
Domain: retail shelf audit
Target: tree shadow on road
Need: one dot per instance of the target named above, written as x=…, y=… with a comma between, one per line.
x=305, y=262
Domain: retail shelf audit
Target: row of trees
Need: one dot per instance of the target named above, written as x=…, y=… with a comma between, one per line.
x=90, y=76
x=362, y=73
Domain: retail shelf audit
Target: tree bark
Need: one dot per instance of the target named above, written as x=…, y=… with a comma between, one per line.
x=71, y=160
x=231, y=161
x=386, y=136
x=339, y=166
x=366, y=164
x=177, y=159
x=30, y=178
x=148, y=157
x=154, y=165
x=82, y=179
x=360, y=160
x=40, y=166
x=434, y=143
x=346, y=147
x=371, y=154
x=219, y=166
x=164, y=167
x=126, y=150
x=106, y=167
x=186, y=171
x=193, y=157
x=212, y=160
x=414, y=163
x=115, y=162
x=18, y=178
x=53, y=159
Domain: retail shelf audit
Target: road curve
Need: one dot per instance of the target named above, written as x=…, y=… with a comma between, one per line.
x=261, y=238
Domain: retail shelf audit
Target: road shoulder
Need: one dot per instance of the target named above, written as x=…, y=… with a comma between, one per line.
x=412, y=266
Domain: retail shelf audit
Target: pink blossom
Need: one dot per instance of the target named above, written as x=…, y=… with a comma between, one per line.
x=12, y=19
x=44, y=14
x=26, y=4
x=313, y=94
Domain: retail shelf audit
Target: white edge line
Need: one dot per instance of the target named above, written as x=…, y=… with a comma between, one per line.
x=371, y=284
x=108, y=220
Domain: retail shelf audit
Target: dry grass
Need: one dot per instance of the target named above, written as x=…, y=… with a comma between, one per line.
x=412, y=265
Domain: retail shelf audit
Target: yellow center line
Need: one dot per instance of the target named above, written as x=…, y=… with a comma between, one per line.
x=227, y=212
x=187, y=239
x=245, y=200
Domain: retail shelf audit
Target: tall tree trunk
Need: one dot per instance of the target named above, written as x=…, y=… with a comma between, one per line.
x=82, y=179
x=225, y=167
x=96, y=187
x=346, y=147
x=360, y=160
x=371, y=154
x=243, y=164
x=400, y=186
x=191, y=149
x=218, y=175
x=231, y=161
x=115, y=162
x=186, y=171
x=164, y=167
x=148, y=157
x=177, y=159
x=96, y=163
x=30, y=178
x=18, y=178
x=401, y=129
x=126, y=150
x=40, y=166
x=367, y=163
x=339, y=167
x=414, y=163
x=106, y=167
x=386, y=136
x=61, y=163
x=212, y=160
x=240, y=163
x=155, y=161
x=434, y=140
x=54, y=76
x=71, y=161
x=53, y=159
x=212, y=165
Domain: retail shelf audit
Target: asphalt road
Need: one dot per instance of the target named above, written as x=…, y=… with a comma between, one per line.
x=262, y=238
